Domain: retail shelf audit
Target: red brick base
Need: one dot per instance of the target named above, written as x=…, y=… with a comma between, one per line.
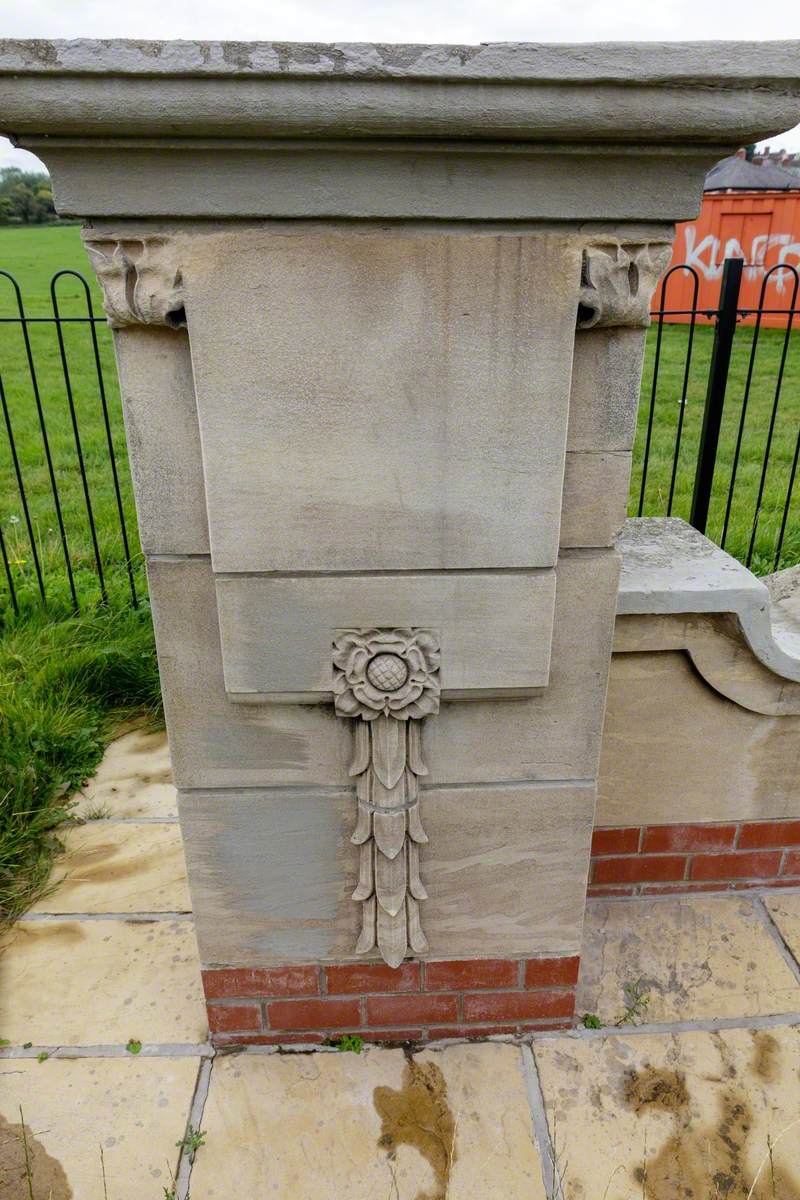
x=420, y=1001
x=660, y=859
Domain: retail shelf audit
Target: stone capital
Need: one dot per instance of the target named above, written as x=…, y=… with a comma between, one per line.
x=141, y=281
x=618, y=282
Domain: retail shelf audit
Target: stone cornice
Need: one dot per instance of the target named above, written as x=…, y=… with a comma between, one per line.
x=707, y=93
x=510, y=132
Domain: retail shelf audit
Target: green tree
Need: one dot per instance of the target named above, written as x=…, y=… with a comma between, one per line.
x=26, y=197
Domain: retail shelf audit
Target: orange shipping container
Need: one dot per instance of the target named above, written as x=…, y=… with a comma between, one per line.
x=763, y=228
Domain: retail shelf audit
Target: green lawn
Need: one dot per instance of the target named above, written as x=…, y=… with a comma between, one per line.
x=759, y=409
x=33, y=256
x=66, y=680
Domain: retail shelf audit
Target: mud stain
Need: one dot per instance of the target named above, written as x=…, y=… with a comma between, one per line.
x=713, y=1161
x=46, y=1173
x=766, y=1056
x=651, y=1088
x=418, y=1114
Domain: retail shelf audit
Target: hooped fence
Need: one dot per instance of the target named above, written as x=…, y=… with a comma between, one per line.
x=67, y=525
x=718, y=439
x=734, y=477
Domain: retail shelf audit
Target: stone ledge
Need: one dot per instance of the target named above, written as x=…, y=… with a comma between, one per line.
x=668, y=568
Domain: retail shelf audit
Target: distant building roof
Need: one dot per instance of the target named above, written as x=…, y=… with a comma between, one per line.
x=741, y=175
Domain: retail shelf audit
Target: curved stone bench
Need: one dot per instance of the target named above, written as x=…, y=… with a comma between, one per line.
x=700, y=768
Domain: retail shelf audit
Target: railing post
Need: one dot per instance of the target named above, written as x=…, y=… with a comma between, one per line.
x=715, y=396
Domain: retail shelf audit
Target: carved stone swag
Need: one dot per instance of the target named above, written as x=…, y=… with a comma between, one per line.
x=388, y=681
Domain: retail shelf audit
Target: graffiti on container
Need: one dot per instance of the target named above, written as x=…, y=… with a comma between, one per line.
x=708, y=255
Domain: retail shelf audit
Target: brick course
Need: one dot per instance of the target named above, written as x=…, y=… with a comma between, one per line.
x=665, y=860
x=420, y=1001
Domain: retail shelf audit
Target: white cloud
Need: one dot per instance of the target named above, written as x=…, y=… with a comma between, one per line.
x=403, y=20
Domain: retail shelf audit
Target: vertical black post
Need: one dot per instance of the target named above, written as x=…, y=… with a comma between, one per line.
x=715, y=396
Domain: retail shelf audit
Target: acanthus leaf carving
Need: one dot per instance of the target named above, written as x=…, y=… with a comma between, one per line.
x=617, y=283
x=141, y=281
x=387, y=680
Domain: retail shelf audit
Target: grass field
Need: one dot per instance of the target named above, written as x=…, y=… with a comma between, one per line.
x=33, y=256
x=754, y=441
x=66, y=681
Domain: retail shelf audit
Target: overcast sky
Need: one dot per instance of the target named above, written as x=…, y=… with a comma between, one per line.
x=462, y=21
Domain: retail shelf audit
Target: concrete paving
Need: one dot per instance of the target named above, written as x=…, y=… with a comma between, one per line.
x=690, y=1087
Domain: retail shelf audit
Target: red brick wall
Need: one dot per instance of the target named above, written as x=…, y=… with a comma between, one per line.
x=658, y=859
x=419, y=1001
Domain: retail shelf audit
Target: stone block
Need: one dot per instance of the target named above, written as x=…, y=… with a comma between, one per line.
x=155, y=375
x=595, y=498
x=272, y=871
x=555, y=734
x=399, y=401
x=213, y=741
x=216, y=743
x=494, y=629
x=604, y=399
x=675, y=751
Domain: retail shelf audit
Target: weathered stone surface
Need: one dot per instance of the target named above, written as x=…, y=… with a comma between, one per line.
x=320, y=104
x=155, y=373
x=595, y=498
x=556, y=734
x=133, y=780
x=604, y=398
x=785, y=912
x=213, y=741
x=676, y=751
x=123, y=980
x=413, y=388
x=689, y=959
x=676, y=1114
x=720, y=653
x=449, y=1122
x=119, y=867
x=668, y=567
x=272, y=872
x=134, y=1109
x=494, y=630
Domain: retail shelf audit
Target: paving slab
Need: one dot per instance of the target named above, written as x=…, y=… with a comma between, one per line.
x=372, y=1126
x=686, y=959
x=784, y=909
x=136, y=1109
x=100, y=982
x=133, y=780
x=119, y=867
x=685, y=1116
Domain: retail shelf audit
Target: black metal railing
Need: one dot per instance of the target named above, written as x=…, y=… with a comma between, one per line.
x=718, y=439
x=63, y=464
x=726, y=444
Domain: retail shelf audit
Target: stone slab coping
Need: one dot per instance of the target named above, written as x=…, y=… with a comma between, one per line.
x=712, y=94
x=707, y=63
x=670, y=568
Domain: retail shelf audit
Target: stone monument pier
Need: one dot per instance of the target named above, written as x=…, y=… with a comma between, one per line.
x=379, y=317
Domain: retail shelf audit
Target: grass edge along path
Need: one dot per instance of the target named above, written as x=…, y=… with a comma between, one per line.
x=66, y=688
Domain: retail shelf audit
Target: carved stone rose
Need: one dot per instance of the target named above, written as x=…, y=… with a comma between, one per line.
x=389, y=672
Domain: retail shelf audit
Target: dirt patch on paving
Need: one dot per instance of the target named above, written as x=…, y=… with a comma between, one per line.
x=708, y=1161
x=418, y=1114
x=46, y=1173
